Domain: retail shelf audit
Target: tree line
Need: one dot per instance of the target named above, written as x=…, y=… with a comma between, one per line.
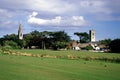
x=41, y=40
x=52, y=40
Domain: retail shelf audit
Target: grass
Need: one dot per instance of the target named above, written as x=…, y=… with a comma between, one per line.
x=34, y=68
x=70, y=52
x=86, y=55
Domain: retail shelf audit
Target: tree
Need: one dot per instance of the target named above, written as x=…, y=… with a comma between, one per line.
x=60, y=36
x=1, y=41
x=32, y=39
x=35, y=33
x=115, y=46
x=59, y=45
x=39, y=39
x=11, y=44
x=105, y=42
x=27, y=38
x=83, y=36
x=59, y=39
x=22, y=43
x=12, y=37
x=45, y=35
x=11, y=40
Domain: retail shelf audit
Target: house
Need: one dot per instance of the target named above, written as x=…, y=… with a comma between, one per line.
x=75, y=45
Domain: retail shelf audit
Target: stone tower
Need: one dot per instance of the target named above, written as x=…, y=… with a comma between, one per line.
x=92, y=35
x=20, y=34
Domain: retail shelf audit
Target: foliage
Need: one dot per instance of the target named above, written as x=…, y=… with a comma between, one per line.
x=35, y=33
x=51, y=40
x=105, y=42
x=89, y=47
x=10, y=44
x=60, y=45
x=115, y=46
x=83, y=36
x=11, y=37
x=45, y=39
x=1, y=41
x=60, y=36
x=22, y=43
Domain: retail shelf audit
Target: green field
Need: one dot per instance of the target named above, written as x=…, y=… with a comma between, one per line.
x=85, y=55
x=37, y=68
x=70, y=52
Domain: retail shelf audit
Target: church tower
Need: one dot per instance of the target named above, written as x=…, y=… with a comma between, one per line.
x=92, y=35
x=20, y=34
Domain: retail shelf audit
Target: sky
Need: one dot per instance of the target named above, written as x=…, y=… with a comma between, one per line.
x=70, y=16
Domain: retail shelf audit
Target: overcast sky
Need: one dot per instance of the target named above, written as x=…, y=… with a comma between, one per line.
x=55, y=15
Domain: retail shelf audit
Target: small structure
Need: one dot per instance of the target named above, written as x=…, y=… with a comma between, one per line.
x=75, y=45
x=20, y=33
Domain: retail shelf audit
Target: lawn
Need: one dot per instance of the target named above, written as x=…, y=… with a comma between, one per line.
x=80, y=54
x=35, y=68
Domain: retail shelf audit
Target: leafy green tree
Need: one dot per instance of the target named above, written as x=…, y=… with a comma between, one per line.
x=60, y=45
x=12, y=37
x=11, y=44
x=42, y=40
x=45, y=35
x=60, y=36
x=59, y=39
x=35, y=33
x=27, y=38
x=105, y=42
x=39, y=39
x=83, y=36
x=10, y=40
x=22, y=43
x=1, y=41
x=115, y=46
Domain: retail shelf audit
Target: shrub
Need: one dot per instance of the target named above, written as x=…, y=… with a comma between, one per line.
x=115, y=46
x=10, y=44
x=89, y=47
x=59, y=45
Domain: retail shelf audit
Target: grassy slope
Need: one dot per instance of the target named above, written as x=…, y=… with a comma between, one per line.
x=32, y=68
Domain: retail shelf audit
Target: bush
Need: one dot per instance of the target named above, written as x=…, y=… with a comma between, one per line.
x=10, y=44
x=115, y=46
x=89, y=47
x=59, y=45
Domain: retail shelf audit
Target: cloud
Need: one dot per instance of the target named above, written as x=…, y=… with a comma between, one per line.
x=5, y=14
x=67, y=15
x=94, y=6
x=57, y=21
x=51, y=6
x=65, y=7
